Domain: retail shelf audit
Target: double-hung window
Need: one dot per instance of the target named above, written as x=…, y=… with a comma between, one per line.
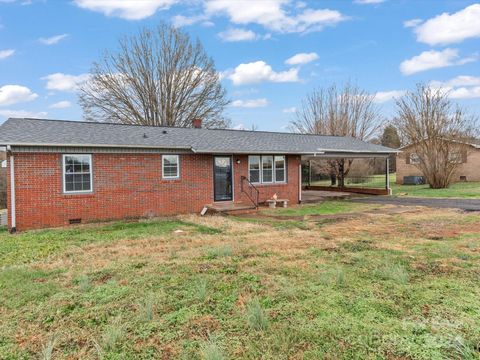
x=170, y=167
x=280, y=168
x=254, y=168
x=77, y=173
x=267, y=169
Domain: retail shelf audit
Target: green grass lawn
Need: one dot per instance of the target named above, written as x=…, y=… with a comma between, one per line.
x=383, y=285
x=456, y=190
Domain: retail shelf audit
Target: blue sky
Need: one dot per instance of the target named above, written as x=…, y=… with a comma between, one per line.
x=270, y=53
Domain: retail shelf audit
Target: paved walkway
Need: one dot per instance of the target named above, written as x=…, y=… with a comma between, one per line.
x=463, y=204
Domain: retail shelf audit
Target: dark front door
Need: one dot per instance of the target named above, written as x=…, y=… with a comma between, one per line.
x=222, y=175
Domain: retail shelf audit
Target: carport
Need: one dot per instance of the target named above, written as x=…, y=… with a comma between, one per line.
x=347, y=172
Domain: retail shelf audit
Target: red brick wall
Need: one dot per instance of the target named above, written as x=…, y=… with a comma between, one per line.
x=288, y=190
x=125, y=186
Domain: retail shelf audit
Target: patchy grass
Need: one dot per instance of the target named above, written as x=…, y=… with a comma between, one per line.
x=456, y=190
x=324, y=208
x=384, y=284
x=29, y=246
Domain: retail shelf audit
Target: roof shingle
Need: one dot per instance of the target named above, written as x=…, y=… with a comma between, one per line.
x=42, y=132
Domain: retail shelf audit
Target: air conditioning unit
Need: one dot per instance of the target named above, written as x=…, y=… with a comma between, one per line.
x=413, y=180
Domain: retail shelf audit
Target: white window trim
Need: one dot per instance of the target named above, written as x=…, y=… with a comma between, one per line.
x=414, y=159
x=259, y=169
x=177, y=176
x=65, y=191
x=274, y=175
x=272, y=171
x=284, y=181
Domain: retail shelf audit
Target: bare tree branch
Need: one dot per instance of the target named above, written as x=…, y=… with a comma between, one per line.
x=158, y=77
x=437, y=130
x=348, y=111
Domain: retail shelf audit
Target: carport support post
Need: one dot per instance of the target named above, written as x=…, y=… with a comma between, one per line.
x=387, y=175
x=342, y=173
x=309, y=172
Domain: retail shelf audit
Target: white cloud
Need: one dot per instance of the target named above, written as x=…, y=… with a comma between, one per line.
x=462, y=80
x=412, y=23
x=13, y=94
x=385, y=96
x=450, y=28
x=126, y=9
x=289, y=110
x=6, y=53
x=273, y=15
x=433, y=60
x=236, y=34
x=301, y=58
x=53, y=40
x=61, y=105
x=252, y=103
x=259, y=71
x=366, y=2
x=181, y=20
x=22, y=114
x=239, y=127
x=465, y=93
x=460, y=87
x=65, y=82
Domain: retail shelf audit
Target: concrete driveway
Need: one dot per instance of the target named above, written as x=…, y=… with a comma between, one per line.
x=463, y=204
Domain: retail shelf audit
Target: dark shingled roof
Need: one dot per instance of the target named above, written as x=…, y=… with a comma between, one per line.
x=40, y=132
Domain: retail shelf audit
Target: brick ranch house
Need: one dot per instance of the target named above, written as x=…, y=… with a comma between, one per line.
x=67, y=172
x=469, y=169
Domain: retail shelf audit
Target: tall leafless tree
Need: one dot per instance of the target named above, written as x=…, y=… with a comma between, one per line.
x=437, y=130
x=158, y=77
x=345, y=111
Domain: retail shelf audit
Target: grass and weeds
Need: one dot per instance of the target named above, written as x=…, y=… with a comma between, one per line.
x=380, y=285
x=459, y=190
x=324, y=208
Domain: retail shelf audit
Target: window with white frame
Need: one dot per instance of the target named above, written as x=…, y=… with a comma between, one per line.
x=254, y=168
x=414, y=159
x=77, y=173
x=280, y=168
x=455, y=157
x=267, y=169
x=170, y=167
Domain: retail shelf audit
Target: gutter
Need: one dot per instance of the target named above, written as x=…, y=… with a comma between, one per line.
x=12, y=210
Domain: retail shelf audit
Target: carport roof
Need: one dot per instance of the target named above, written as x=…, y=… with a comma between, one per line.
x=43, y=132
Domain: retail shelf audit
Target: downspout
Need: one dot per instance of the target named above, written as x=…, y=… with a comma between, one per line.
x=13, y=228
x=300, y=182
x=387, y=175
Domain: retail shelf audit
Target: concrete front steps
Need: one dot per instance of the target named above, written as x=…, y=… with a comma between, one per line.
x=230, y=208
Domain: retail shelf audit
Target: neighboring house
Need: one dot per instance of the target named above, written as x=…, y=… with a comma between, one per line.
x=468, y=170
x=68, y=172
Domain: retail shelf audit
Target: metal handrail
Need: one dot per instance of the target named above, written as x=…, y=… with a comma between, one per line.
x=253, y=193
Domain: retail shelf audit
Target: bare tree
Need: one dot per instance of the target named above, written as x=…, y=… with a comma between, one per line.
x=437, y=130
x=158, y=77
x=346, y=111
